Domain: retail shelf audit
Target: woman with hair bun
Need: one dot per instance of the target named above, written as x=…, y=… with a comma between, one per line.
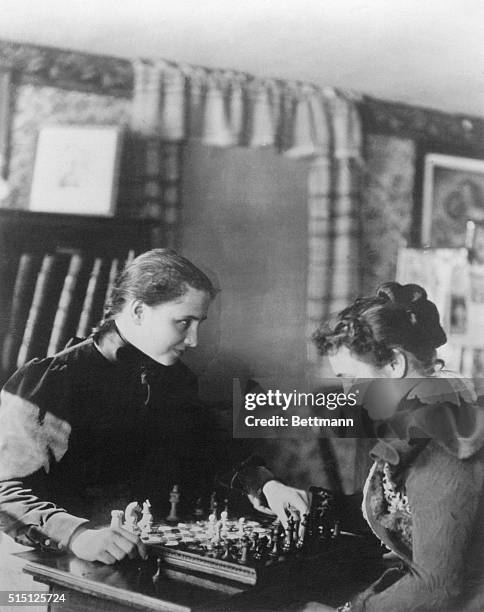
x=424, y=495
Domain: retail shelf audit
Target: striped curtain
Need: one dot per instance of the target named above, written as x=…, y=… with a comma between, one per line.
x=174, y=102
x=333, y=217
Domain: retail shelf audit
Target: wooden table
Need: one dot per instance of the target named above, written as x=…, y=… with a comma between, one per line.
x=129, y=585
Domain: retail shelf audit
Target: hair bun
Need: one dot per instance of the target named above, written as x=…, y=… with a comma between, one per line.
x=401, y=294
x=421, y=311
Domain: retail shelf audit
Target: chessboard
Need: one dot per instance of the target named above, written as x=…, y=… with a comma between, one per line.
x=241, y=550
x=238, y=549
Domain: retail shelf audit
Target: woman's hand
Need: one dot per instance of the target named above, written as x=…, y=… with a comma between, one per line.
x=107, y=545
x=285, y=501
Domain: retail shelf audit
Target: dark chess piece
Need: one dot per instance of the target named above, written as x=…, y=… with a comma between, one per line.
x=157, y=575
x=218, y=551
x=295, y=533
x=226, y=555
x=311, y=526
x=274, y=552
x=261, y=548
x=254, y=538
x=288, y=542
x=276, y=535
x=198, y=512
x=213, y=503
x=323, y=512
x=244, y=550
x=302, y=531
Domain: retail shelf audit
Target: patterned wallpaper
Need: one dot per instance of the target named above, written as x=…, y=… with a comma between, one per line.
x=35, y=106
x=64, y=87
x=386, y=206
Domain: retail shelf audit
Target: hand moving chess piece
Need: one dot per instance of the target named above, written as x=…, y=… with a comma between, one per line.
x=174, y=501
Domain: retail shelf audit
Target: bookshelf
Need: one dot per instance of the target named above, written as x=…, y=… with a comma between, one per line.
x=54, y=272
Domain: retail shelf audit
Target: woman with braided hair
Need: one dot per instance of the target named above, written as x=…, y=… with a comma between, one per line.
x=424, y=495
x=115, y=417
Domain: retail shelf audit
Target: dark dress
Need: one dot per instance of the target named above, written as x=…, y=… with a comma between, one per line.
x=95, y=427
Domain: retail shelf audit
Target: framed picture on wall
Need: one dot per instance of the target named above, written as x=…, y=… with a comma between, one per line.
x=76, y=170
x=453, y=193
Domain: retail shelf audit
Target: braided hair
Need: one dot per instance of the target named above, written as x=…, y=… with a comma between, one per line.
x=397, y=317
x=155, y=277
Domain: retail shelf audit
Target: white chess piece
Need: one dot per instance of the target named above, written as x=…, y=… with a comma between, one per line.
x=117, y=518
x=224, y=515
x=174, y=501
x=217, y=532
x=146, y=519
x=212, y=519
x=131, y=515
x=241, y=523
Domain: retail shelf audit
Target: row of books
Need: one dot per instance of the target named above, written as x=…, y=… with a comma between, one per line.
x=55, y=296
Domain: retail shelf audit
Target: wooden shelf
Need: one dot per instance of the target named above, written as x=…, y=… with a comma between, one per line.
x=23, y=230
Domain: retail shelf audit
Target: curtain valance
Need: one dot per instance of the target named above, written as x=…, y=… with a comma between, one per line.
x=226, y=108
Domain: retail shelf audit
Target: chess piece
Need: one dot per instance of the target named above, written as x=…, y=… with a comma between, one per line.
x=146, y=519
x=198, y=508
x=302, y=531
x=244, y=551
x=211, y=526
x=117, y=518
x=254, y=537
x=156, y=576
x=261, y=548
x=174, y=501
x=241, y=524
x=226, y=556
x=288, y=542
x=213, y=503
x=217, y=535
x=223, y=519
x=276, y=540
x=336, y=529
x=212, y=519
x=131, y=516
